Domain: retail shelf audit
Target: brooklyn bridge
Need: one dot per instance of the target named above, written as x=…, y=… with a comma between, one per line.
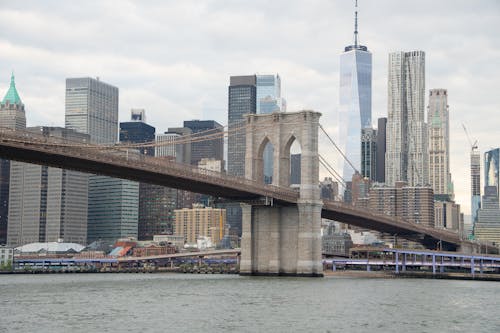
x=123, y=161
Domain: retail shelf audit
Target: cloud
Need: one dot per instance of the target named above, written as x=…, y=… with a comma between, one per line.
x=174, y=58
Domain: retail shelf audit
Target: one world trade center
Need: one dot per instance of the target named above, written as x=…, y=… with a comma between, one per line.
x=355, y=108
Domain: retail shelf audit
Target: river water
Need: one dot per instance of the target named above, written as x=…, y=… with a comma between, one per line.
x=230, y=303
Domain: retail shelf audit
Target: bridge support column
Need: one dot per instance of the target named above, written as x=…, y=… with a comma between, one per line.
x=281, y=240
x=309, y=239
x=246, y=239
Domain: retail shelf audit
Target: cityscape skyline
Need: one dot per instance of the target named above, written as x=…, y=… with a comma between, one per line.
x=310, y=79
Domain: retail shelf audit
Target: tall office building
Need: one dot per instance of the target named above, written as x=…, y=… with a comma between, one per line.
x=92, y=108
x=168, y=199
x=268, y=98
x=487, y=227
x=381, y=140
x=213, y=148
x=242, y=97
x=113, y=209
x=406, y=149
x=439, y=144
x=155, y=208
x=475, y=182
x=12, y=116
x=242, y=100
x=369, y=153
x=48, y=204
x=355, y=108
x=268, y=101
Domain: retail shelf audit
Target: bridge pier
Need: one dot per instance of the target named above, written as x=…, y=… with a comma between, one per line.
x=281, y=241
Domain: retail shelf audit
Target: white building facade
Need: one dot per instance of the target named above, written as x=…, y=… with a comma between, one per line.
x=439, y=143
x=406, y=156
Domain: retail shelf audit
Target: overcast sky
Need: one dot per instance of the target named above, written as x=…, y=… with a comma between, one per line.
x=174, y=58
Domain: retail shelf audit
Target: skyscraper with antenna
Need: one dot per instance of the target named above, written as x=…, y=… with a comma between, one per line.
x=355, y=98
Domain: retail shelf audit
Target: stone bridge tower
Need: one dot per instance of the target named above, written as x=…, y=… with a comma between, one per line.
x=283, y=240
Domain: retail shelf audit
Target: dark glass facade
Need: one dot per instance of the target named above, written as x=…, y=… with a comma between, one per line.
x=368, y=153
x=156, y=203
x=206, y=148
x=381, y=138
x=137, y=132
x=242, y=97
x=241, y=101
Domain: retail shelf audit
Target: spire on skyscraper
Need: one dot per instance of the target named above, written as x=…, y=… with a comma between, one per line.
x=356, y=24
x=12, y=96
x=356, y=45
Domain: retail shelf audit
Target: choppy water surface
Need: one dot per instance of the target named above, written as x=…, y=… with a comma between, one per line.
x=228, y=303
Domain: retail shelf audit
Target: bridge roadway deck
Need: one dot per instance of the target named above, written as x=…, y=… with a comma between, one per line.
x=31, y=147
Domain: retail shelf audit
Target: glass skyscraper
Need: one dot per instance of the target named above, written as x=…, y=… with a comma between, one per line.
x=208, y=148
x=475, y=175
x=369, y=153
x=487, y=227
x=381, y=138
x=92, y=108
x=491, y=168
x=242, y=97
x=355, y=108
x=242, y=100
x=268, y=101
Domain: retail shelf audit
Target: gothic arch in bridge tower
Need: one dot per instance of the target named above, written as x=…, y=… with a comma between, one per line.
x=282, y=130
x=283, y=240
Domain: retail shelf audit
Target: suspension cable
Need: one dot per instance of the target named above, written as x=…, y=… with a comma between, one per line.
x=332, y=171
x=339, y=150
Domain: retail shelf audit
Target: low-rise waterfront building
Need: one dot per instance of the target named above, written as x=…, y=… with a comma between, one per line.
x=175, y=240
x=335, y=243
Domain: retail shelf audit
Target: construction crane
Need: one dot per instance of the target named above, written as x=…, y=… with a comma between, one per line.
x=473, y=146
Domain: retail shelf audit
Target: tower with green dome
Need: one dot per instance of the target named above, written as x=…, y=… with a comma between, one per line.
x=12, y=108
x=11, y=116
